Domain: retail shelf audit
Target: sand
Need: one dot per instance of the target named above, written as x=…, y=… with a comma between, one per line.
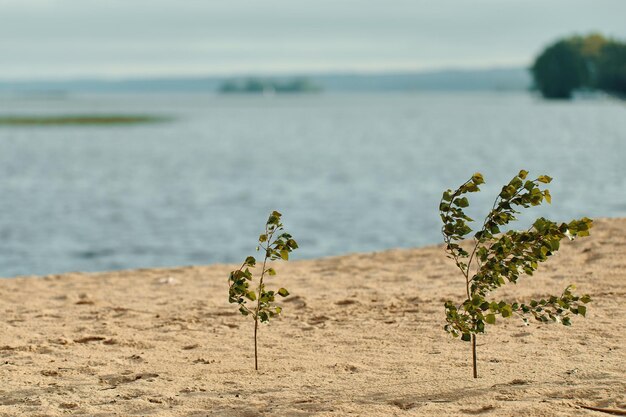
x=361, y=335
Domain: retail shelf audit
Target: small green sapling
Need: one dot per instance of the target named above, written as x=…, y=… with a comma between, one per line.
x=496, y=257
x=276, y=245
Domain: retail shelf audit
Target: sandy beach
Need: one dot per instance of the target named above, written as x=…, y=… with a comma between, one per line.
x=360, y=335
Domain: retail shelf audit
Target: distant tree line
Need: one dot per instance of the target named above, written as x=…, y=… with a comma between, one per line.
x=590, y=62
x=258, y=85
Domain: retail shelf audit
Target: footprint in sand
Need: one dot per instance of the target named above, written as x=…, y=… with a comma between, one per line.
x=88, y=339
x=116, y=380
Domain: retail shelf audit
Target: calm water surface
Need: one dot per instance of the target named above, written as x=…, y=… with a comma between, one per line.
x=349, y=172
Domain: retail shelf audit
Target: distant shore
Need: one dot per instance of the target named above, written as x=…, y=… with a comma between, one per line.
x=359, y=334
x=78, y=119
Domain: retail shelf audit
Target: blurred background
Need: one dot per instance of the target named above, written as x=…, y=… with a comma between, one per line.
x=162, y=133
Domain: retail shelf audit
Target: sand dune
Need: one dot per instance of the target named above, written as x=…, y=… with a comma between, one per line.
x=361, y=335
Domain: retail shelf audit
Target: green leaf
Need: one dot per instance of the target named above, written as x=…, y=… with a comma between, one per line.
x=582, y=310
x=469, y=188
x=547, y=196
x=283, y=292
x=480, y=326
x=250, y=261
x=461, y=202
x=466, y=337
x=284, y=254
x=506, y=311
x=476, y=300
x=544, y=179
x=490, y=318
x=478, y=179
x=516, y=183
x=271, y=271
x=250, y=295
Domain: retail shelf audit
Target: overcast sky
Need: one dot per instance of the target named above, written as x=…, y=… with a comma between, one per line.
x=120, y=38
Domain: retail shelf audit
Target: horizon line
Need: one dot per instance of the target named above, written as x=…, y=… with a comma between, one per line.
x=262, y=74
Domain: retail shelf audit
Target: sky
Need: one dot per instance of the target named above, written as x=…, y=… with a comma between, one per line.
x=65, y=39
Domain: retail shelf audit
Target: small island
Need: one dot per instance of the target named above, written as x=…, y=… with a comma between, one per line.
x=268, y=86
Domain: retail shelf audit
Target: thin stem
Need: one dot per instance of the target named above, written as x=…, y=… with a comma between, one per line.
x=474, y=355
x=256, y=361
x=269, y=234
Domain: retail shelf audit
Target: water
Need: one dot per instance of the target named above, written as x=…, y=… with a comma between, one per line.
x=351, y=173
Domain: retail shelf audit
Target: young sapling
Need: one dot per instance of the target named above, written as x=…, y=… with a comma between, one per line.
x=276, y=245
x=496, y=257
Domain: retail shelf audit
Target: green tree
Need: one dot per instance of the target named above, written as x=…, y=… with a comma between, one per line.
x=560, y=70
x=581, y=62
x=276, y=245
x=495, y=257
x=611, y=72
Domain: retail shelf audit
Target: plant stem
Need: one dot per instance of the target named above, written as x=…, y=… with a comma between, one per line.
x=474, y=355
x=256, y=314
x=256, y=362
x=269, y=234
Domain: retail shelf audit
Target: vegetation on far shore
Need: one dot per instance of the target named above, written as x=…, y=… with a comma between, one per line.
x=84, y=119
x=590, y=62
x=264, y=86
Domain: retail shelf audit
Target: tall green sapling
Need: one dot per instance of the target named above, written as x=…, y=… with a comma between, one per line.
x=496, y=257
x=276, y=245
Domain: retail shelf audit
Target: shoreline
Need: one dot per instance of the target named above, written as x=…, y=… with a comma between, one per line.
x=360, y=334
x=232, y=265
